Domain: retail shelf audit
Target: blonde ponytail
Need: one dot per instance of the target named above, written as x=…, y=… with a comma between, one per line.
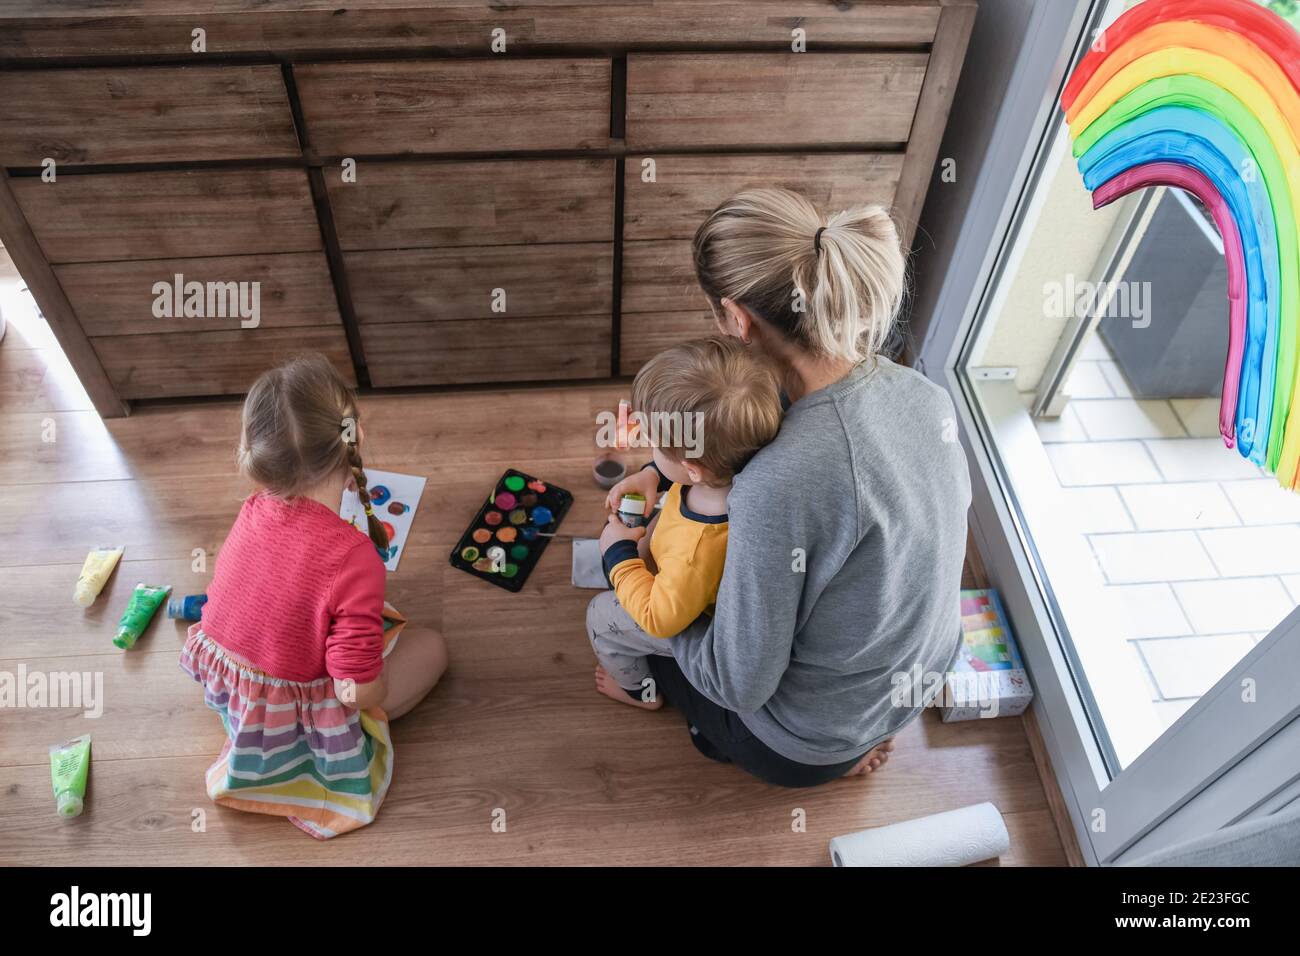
x=832, y=287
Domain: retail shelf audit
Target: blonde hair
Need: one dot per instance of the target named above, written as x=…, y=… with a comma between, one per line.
x=300, y=426
x=832, y=286
x=734, y=392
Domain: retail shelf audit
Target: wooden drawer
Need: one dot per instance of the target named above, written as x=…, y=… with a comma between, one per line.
x=173, y=364
x=120, y=216
x=477, y=203
x=117, y=298
x=144, y=115
x=771, y=99
x=642, y=334
x=364, y=109
x=418, y=285
x=500, y=350
x=661, y=301
x=659, y=276
x=688, y=187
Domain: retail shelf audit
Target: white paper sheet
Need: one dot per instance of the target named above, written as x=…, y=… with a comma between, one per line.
x=588, y=571
x=405, y=489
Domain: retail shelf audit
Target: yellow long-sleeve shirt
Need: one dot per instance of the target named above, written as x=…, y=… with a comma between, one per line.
x=689, y=551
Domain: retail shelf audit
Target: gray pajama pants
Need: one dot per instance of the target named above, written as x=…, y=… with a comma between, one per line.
x=620, y=644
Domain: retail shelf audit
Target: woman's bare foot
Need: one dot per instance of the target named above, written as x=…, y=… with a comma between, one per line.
x=610, y=688
x=873, y=759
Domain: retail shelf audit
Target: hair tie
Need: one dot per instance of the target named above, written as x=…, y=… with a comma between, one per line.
x=369, y=512
x=817, y=240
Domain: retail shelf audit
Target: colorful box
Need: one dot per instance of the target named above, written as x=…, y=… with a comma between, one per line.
x=988, y=679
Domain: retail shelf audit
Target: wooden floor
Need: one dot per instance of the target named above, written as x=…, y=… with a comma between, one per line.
x=516, y=724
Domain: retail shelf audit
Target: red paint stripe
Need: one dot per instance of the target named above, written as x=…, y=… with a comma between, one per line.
x=1277, y=38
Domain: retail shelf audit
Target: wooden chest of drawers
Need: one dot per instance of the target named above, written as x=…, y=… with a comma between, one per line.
x=416, y=203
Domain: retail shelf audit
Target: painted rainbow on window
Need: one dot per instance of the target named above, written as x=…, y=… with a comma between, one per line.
x=1203, y=95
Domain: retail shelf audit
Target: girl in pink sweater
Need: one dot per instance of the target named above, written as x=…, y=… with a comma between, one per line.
x=291, y=647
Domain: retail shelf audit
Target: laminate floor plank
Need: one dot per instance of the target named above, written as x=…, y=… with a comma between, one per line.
x=516, y=724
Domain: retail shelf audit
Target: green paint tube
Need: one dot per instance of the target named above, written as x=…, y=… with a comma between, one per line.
x=69, y=768
x=144, y=604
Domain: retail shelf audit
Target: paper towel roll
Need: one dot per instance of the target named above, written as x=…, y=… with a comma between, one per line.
x=954, y=838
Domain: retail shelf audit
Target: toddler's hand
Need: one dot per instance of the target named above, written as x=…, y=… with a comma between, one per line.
x=615, y=530
x=643, y=482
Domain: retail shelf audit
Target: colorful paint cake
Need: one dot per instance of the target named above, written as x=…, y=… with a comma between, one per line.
x=511, y=530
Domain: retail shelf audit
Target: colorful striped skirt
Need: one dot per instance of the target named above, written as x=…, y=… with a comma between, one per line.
x=292, y=748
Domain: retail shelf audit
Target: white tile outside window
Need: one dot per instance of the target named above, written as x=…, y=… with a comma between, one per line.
x=1199, y=548
x=1102, y=463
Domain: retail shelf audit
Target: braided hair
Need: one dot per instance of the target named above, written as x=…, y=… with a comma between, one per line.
x=374, y=526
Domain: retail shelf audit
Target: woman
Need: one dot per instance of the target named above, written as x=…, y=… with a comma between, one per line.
x=847, y=532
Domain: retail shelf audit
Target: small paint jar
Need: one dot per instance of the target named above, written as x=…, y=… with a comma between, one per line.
x=607, y=471
x=632, y=511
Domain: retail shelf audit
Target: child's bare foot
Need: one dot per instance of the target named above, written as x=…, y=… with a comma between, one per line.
x=873, y=759
x=610, y=688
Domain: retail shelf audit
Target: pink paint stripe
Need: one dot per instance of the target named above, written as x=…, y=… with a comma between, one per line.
x=1199, y=185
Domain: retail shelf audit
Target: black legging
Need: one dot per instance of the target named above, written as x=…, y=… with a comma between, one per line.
x=720, y=735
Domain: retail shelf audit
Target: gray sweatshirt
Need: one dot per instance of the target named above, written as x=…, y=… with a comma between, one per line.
x=843, y=568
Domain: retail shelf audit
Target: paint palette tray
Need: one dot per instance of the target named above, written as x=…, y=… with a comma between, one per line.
x=518, y=518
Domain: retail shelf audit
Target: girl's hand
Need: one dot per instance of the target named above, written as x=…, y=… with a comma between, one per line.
x=644, y=482
x=359, y=696
x=615, y=530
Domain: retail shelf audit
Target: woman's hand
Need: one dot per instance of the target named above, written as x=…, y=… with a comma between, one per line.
x=615, y=530
x=644, y=482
